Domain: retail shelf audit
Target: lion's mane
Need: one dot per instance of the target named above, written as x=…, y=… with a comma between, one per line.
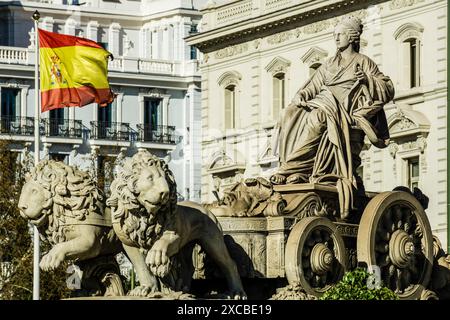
x=140, y=226
x=73, y=193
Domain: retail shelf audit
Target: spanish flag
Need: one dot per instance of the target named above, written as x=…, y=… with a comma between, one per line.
x=73, y=71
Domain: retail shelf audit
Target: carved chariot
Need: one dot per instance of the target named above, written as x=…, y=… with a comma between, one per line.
x=309, y=244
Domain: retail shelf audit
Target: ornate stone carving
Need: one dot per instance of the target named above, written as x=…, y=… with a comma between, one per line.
x=393, y=148
x=316, y=27
x=278, y=65
x=156, y=92
x=252, y=197
x=421, y=143
x=231, y=51
x=314, y=55
x=347, y=230
x=397, y=4
x=229, y=77
x=279, y=37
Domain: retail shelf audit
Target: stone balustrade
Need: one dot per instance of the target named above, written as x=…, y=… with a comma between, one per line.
x=25, y=56
x=218, y=16
x=12, y=55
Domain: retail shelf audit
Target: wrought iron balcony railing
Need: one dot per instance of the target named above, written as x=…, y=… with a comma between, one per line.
x=17, y=125
x=110, y=130
x=66, y=128
x=158, y=134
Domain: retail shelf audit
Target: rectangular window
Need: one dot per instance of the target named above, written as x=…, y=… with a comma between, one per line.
x=278, y=95
x=10, y=106
x=411, y=64
x=230, y=107
x=193, y=53
x=152, y=118
x=313, y=68
x=413, y=173
x=413, y=59
x=56, y=121
x=106, y=116
x=10, y=100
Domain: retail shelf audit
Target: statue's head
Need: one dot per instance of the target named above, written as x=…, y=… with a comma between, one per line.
x=348, y=32
x=145, y=181
x=54, y=191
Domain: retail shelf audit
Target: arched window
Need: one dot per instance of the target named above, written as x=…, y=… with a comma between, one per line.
x=278, y=102
x=409, y=36
x=229, y=81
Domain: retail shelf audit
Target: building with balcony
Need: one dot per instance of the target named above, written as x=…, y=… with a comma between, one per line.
x=154, y=74
x=258, y=53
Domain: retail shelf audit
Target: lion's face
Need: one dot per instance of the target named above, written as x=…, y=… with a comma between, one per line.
x=152, y=189
x=33, y=200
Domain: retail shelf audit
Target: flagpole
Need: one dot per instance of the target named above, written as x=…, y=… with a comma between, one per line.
x=36, y=253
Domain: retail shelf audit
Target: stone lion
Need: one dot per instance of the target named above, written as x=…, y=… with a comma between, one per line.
x=67, y=208
x=158, y=233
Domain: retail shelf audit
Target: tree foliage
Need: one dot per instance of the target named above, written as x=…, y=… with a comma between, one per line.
x=353, y=286
x=16, y=247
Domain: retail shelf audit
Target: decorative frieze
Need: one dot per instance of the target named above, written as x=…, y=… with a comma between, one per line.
x=231, y=51
x=279, y=37
x=398, y=4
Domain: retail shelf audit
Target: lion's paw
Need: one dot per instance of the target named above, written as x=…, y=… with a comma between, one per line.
x=52, y=260
x=142, y=291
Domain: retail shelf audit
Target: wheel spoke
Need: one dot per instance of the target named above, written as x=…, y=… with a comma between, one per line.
x=317, y=236
x=406, y=278
x=306, y=264
x=382, y=234
x=384, y=260
x=382, y=247
x=306, y=252
x=310, y=242
x=398, y=214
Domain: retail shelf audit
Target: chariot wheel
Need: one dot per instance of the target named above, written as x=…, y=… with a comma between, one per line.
x=395, y=235
x=315, y=255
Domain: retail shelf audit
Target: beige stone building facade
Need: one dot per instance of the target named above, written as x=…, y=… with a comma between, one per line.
x=257, y=54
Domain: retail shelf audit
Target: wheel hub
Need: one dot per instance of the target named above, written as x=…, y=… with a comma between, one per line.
x=401, y=248
x=321, y=259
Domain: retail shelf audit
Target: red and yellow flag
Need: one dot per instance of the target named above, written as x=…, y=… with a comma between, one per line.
x=73, y=71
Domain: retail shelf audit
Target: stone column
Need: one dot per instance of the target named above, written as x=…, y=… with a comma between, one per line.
x=47, y=24
x=114, y=39
x=155, y=44
x=176, y=40
x=23, y=101
x=119, y=100
x=92, y=30
x=69, y=27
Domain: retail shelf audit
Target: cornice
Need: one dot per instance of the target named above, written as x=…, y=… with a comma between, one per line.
x=275, y=22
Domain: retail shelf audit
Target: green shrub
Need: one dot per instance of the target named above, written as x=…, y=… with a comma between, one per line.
x=353, y=286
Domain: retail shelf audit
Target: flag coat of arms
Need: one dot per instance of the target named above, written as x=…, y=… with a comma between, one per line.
x=73, y=71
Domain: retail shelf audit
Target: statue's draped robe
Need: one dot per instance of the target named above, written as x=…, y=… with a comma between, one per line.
x=322, y=140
